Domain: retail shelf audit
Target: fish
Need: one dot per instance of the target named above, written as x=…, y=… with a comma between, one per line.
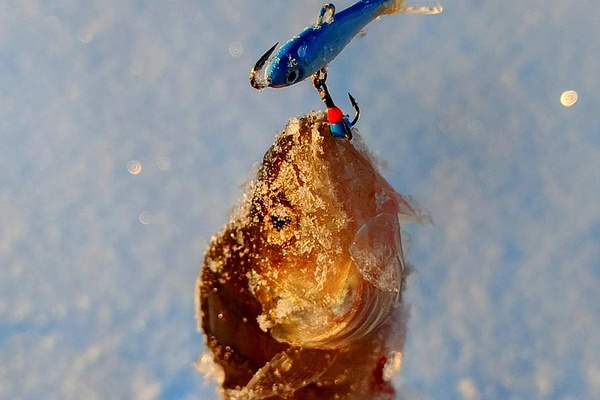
x=317, y=45
x=300, y=293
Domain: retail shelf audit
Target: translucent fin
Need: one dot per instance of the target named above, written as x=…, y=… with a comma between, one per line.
x=398, y=7
x=289, y=371
x=409, y=211
x=377, y=252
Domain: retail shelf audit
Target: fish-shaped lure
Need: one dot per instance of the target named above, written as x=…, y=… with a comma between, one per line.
x=319, y=44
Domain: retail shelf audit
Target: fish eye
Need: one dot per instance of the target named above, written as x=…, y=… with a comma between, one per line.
x=280, y=222
x=292, y=76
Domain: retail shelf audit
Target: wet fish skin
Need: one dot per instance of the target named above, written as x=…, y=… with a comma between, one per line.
x=300, y=294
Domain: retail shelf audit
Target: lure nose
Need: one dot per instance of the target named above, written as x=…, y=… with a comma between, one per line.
x=256, y=81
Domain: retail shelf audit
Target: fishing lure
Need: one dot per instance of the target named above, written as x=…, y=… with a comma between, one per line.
x=319, y=44
x=339, y=123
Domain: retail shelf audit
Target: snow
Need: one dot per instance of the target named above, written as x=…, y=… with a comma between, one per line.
x=98, y=263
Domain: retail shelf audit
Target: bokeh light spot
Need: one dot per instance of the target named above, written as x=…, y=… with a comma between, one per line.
x=136, y=67
x=145, y=218
x=85, y=35
x=134, y=167
x=568, y=98
x=163, y=163
x=139, y=326
x=236, y=49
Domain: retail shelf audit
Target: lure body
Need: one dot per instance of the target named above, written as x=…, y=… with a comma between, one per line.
x=319, y=44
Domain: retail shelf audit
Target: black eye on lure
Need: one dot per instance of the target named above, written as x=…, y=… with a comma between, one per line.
x=339, y=123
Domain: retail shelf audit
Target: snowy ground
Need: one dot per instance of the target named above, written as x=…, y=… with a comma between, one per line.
x=127, y=128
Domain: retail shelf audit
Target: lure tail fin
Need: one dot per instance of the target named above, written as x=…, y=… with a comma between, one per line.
x=398, y=7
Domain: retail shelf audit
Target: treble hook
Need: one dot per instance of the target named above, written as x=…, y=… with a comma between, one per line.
x=260, y=83
x=339, y=124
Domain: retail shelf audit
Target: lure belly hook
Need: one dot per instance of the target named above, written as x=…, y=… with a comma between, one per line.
x=339, y=123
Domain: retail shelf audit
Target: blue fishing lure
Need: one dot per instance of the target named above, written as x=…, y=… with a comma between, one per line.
x=317, y=45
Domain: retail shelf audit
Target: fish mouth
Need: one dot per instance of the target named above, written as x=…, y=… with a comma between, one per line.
x=261, y=82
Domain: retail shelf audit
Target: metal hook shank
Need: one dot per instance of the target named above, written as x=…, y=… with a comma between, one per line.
x=356, y=109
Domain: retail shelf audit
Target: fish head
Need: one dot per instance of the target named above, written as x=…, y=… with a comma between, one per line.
x=326, y=227
x=281, y=69
x=285, y=70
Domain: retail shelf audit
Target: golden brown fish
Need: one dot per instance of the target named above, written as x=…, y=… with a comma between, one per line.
x=300, y=293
